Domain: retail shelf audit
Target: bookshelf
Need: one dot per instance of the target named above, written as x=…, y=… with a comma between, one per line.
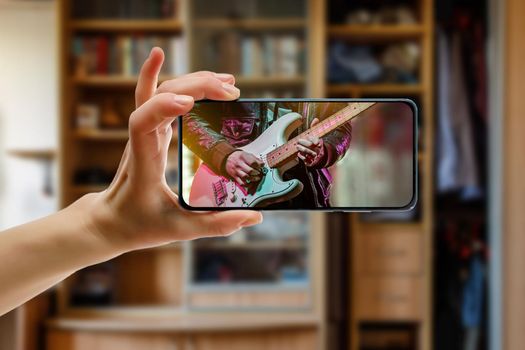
x=173, y=295
x=391, y=273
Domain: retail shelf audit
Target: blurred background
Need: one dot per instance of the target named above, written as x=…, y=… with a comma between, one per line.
x=443, y=276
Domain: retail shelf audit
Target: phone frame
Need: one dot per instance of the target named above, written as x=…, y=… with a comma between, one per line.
x=415, y=149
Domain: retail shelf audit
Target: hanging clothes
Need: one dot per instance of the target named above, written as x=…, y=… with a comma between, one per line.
x=457, y=167
x=472, y=305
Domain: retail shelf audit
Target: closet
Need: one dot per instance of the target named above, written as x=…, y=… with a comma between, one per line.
x=461, y=248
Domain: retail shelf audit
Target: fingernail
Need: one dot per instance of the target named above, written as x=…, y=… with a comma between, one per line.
x=232, y=90
x=224, y=77
x=152, y=50
x=254, y=220
x=183, y=99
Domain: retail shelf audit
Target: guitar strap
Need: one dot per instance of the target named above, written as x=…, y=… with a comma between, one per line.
x=265, y=120
x=275, y=112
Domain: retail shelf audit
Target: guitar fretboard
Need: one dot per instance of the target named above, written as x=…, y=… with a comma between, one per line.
x=284, y=152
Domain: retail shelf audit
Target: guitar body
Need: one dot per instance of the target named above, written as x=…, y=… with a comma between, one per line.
x=211, y=190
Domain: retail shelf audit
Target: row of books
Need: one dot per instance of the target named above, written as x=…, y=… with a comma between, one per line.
x=271, y=55
x=139, y=9
x=264, y=55
x=124, y=54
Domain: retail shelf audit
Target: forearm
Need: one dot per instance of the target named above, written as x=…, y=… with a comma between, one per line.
x=37, y=255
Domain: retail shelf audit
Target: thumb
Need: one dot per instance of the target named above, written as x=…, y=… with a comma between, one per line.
x=314, y=122
x=223, y=223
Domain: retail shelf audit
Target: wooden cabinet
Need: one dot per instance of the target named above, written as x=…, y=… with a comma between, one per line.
x=389, y=277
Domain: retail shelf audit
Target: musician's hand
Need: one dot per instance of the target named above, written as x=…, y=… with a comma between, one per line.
x=311, y=149
x=139, y=210
x=244, y=168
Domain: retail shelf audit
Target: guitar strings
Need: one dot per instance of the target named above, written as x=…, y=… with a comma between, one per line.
x=278, y=155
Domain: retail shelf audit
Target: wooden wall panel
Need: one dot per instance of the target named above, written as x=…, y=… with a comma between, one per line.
x=513, y=233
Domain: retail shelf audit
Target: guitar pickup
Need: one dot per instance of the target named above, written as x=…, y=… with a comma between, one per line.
x=219, y=191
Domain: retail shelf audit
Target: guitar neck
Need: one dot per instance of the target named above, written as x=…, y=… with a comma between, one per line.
x=283, y=153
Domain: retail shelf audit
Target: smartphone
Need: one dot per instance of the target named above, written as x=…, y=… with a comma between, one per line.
x=299, y=154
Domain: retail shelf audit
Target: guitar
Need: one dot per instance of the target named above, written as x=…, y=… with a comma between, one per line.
x=278, y=155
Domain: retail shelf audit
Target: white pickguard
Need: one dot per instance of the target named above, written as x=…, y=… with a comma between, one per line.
x=211, y=190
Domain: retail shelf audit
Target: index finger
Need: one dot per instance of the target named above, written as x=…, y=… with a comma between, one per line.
x=148, y=76
x=252, y=160
x=200, y=86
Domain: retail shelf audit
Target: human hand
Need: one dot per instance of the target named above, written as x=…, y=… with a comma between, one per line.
x=244, y=168
x=311, y=149
x=139, y=210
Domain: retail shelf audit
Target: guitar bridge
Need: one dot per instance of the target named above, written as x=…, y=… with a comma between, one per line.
x=219, y=191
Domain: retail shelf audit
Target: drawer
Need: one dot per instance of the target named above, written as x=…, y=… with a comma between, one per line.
x=396, y=253
x=388, y=298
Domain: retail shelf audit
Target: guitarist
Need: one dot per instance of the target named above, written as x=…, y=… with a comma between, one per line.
x=215, y=133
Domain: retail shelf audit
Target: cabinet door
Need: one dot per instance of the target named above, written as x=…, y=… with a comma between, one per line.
x=272, y=340
x=64, y=340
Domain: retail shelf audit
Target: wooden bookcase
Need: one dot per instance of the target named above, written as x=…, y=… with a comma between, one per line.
x=391, y=273
x=157, y=300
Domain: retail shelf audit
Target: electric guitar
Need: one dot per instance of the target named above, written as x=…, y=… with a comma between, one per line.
x=278, y=155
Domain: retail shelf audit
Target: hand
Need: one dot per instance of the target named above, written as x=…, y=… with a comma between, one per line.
x=139, y=210
x=244, y=168
x=311, y=149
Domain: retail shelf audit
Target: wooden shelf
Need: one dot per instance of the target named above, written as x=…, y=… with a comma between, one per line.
x=131, y=81
x=361, y=32
x=126, y=25
x=81, y=190
x=161, y=320
x=389, y=226
x=269, y=81
x=252, y=24
x=380, y=88
x=103, y=135
x=110, y=80
x=38, y=154
x=270, y=245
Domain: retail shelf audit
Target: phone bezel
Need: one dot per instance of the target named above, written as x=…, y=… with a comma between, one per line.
x=415, y=149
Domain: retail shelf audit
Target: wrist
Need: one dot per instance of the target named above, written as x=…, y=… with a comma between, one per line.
x=98, y=229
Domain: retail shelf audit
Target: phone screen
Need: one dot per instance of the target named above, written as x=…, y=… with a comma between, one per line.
x=327, y=154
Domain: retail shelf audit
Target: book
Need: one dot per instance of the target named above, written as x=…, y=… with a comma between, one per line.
x=102, y=45
x=127, y=57
x=247, y=45
x=288, y=62
x=269, y=53
x=181, y=56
